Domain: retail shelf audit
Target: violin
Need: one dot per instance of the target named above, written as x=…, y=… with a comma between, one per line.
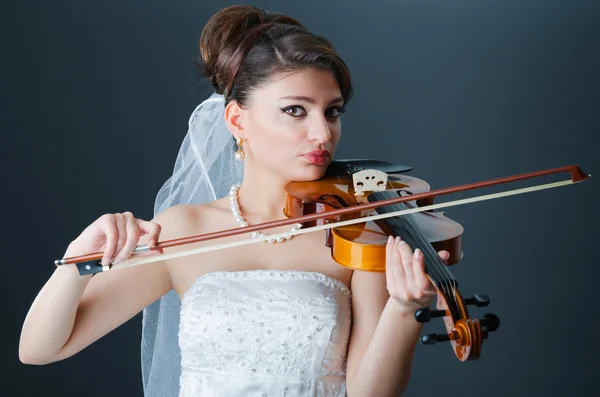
x=362, y=246
x=360, y=203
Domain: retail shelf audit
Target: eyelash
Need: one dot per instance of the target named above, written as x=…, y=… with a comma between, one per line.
x=339, y=109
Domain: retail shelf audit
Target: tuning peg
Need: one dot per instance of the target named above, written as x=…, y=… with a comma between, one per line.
x=432, y=339
x=478, y=300
x=424, y=314
x=490, y=321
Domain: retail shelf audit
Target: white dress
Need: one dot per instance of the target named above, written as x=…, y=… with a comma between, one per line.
x=264, y=333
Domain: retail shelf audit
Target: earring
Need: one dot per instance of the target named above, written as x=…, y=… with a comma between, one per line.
x=239, y=154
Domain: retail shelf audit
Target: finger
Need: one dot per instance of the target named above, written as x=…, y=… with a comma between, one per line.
x=111, y=233
x=133, y=236
x=389, y=273
x=406, y=255
x=388, y=250
x=444, y=255
x=396, y=279
x=421, y=280
x=122, y=238
x=397, y=260
x=152, y=229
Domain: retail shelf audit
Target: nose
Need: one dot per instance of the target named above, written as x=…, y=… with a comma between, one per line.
x=319, y=130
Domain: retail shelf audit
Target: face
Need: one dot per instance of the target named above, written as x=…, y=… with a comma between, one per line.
x=292, y=124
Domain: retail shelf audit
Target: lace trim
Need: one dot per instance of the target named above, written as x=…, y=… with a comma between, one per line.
x=285, y=274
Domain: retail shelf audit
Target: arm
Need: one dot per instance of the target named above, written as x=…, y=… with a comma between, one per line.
x=382, y=341
x=72, y=311
x=384, y=331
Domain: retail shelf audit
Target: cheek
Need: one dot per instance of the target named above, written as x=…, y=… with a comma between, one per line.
x=335, y=130
x=275, y=140
x=280, y=131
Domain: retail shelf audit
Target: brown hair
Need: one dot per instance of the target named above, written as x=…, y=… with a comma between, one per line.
x=243, y=47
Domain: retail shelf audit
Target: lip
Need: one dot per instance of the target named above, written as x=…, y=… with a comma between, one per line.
x=317, y=157
x=318, y=153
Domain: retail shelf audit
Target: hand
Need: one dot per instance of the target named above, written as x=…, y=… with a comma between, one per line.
x=117, y=235
x=407, y=282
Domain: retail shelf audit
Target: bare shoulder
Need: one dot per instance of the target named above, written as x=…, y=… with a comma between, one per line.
x=186, y=220
x=183, y=220
x=177, y=217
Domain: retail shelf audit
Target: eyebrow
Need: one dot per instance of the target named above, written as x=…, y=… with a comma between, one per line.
x=309, y=99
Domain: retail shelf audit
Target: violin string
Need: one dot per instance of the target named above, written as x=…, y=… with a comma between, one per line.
x=450, y=282
x=438, y=279
x=410, y=232
x=411, y=235
x=437, y=267
x=423, y=243
x=427, y=245
x=398, y=225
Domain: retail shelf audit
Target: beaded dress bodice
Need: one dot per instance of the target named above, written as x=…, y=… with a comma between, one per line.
x=264, y=333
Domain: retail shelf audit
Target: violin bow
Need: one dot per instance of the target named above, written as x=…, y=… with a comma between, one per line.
x=90, y=263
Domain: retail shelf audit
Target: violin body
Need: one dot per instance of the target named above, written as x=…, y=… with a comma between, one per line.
x=362, y=246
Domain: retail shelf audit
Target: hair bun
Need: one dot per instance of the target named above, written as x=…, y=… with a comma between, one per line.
x=228, y=37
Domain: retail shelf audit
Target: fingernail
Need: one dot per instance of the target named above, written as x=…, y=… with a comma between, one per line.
x=117, y=261
x=398, y=239
x=417, y=253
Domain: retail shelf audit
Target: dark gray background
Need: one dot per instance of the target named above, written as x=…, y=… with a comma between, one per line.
x=95, y=102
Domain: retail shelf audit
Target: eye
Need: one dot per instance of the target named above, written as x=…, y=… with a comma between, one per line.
x=335, y=112
x=294, y=111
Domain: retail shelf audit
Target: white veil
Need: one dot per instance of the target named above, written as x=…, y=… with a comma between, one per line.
x=204, y=171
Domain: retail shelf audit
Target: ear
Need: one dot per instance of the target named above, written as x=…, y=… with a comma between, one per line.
x=233, y=118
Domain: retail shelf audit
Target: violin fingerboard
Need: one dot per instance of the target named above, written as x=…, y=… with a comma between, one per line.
x=407, y=228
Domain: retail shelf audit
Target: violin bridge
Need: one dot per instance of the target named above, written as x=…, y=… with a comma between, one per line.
x=369, y=181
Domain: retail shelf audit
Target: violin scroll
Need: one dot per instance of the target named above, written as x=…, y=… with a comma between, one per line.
x=465, y=334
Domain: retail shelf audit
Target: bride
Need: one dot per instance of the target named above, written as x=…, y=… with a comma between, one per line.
x=279, y=318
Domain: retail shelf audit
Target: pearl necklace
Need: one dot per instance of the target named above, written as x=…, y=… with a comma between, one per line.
x=235, y=210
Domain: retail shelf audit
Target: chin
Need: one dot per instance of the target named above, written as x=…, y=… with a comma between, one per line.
x=309, y=173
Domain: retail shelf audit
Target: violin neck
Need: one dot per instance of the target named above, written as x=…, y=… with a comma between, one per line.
x=406, y=227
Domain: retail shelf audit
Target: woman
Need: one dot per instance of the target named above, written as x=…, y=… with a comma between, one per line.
x=280, y=319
